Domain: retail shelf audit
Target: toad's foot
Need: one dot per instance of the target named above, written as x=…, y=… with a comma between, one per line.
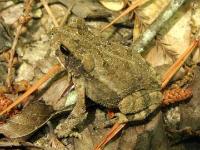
x=65, y=129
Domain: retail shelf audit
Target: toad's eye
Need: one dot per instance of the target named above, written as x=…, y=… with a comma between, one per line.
x=64, y=50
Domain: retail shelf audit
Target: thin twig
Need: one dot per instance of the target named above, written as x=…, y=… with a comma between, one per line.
x=145, y=38
x=45, y=4
x=33, y=88
x=22, y=20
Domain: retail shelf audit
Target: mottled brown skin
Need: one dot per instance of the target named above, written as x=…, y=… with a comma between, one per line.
x=110, y=74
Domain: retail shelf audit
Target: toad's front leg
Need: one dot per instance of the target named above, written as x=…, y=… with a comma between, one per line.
x=78, y=113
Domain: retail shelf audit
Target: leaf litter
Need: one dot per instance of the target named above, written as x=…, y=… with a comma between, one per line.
x=36, y=57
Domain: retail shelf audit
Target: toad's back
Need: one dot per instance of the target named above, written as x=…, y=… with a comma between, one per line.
x=118, y=71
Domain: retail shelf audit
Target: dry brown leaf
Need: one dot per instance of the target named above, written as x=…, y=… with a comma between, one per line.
x=28, y=121
x=5, y=36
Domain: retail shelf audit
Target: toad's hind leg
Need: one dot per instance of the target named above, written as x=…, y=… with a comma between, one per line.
x=140, y=104
x=77, y=115
x=135, y=107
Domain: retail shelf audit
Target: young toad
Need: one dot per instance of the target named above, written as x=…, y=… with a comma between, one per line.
x=109, y=73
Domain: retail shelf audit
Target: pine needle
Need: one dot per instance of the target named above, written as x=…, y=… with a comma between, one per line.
x=176, y=66
x=134, y=4
x=33, y=88
x=23, y=19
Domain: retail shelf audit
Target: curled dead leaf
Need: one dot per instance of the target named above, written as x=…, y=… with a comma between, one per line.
x=114, y=5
